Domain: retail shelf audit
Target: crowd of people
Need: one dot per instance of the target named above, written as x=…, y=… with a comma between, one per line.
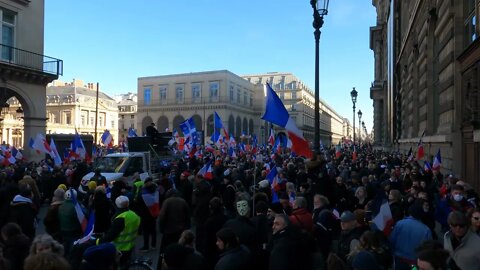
x=315, y=214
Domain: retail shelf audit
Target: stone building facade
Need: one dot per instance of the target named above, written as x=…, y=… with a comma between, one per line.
x=239, y=100
x=127, y=113
x=25, y=71
x=426, y=80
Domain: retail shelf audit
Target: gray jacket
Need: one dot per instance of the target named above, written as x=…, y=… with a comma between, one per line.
x=466, y=255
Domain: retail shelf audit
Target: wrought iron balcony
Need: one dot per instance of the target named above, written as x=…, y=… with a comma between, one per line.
x=30, y=60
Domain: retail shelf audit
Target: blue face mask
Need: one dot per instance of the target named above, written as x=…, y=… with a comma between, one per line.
x=458, y=197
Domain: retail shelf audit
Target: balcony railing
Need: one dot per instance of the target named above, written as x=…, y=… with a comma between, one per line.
x=193, y=101
x=30, y=60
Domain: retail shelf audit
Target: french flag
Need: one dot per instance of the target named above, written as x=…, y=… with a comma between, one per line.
x=79, y=212
x=152, y=201
x=271, y=138
x=420, y=150
x=219, y=124
x=16, y=153
x=426, y=166
x=231, y=152
x=209, y=148
x=381, y=213
x=272, y=178
x=57, y=159
x=232, y=141
x=78, y=147
x=90, y=228
x=41, y=145
x=206, y=171
x=107, y=138
x=437, y=161
x=276, y=113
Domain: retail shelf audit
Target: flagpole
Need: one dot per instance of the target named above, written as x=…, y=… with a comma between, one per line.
x=96, y=113
x=254, y=183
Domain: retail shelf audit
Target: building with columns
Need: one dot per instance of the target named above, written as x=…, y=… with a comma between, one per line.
x=24, y=70
x=71, y=107
x=169, y=100
x=427, y=62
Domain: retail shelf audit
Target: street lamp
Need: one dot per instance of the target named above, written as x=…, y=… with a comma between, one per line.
x=320, y=9
x=354, y=95
x=359, y=126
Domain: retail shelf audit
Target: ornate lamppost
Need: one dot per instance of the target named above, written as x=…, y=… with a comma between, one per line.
x=354, y=95
x=320, y=9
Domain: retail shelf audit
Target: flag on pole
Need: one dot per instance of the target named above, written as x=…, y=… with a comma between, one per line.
x=219, y=125
x=426, y=166
x=420, y=150
x=152, y=201
x=189, y=129
x=132, y=133
x=87, y=235
x=276, y=113
x=410, y=154
x=78, y=147
x=41, y=145
x=107, y=138
x=271, y=138
x=79, y=211
x=437, y=161
x=381, y=213
x=57, y=159
x=206, y=171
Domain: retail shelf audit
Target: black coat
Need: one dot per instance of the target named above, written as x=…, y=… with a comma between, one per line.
x=237, y=258
x=207, y=245
x=25, y=215
x=16, y=249
x=289, y=251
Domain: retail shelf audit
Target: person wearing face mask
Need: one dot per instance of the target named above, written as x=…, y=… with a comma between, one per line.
x=242, y=226
x=454, y=202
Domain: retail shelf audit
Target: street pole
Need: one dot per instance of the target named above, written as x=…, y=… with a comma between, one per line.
x=354, y=123
x=96, y=113
x=317, y=24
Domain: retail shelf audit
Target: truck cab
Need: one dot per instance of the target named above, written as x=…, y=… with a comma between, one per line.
x=116, y=165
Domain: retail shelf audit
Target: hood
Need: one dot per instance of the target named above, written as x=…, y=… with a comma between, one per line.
x=20, y=199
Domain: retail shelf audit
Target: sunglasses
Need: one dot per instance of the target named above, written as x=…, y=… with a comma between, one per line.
x=458, y=225
x=476, y=218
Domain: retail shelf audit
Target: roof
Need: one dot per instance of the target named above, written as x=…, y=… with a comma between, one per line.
x=71, y=90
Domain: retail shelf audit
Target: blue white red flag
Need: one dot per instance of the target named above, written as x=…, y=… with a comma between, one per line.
x=57, y=159
x=206, y=171
x=79, y=211
x=271, y=138
x=437, y=161
x=152, y=201
x=381, y=213
x=41, y=145
x=276, y=113
x=107, y=138
x=426, y=166
x=219, y=125
x=78, y=147
x=87, y=235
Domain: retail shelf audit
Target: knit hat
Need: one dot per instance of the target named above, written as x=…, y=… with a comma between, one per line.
x=92, y=185
x=100, y=256
x=364, y=260
x=58, y=195
x=263, y=184
x=122, y=201
x=62, y=186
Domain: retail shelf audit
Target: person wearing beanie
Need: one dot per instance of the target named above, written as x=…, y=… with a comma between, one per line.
x=407, y=235
x=62, y=186
x=51, y=220
x=101, y=256
x=124, y=229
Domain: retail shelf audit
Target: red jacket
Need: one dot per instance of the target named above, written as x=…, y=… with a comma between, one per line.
x=302, y=218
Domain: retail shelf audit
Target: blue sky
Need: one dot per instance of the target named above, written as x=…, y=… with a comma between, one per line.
x=115, y=42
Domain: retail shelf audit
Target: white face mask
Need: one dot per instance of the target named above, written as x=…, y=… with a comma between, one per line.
x=242, y=208
x=458, y=197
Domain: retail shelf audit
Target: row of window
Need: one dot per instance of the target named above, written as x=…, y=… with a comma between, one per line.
x=180, y=93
